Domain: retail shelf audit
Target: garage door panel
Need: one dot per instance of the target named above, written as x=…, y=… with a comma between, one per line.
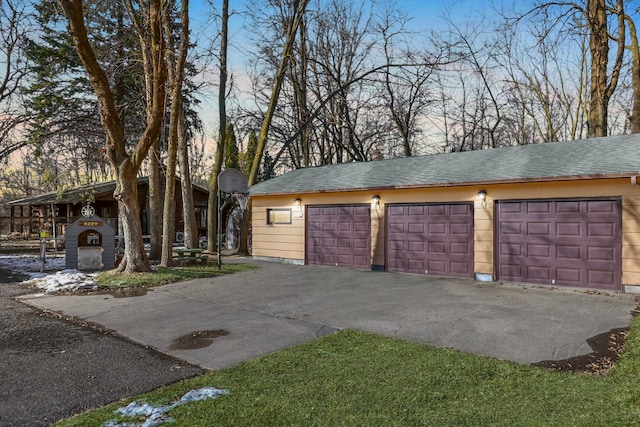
x=511, y=228
x=566, y=242
x=605, y=279
x=416, y=246
x=569, y=275
x=460, y=229
x=360, y=243
x=598, y=229
x=438, y=268
x=597, y=253
x=538, y=250
x=414, y=210
x=437, y=248
x=455, y=210
x=330, y=242
x=416, y=228
x=436, y=228
x=438, y=239
x=514, y=249
x=538, y=228
x=511, y=271
x=569, y=252
x=568, y=229
x=344, y=243
x=460, y=248
x=436, y=210
x=461, y=268
x=538, y=207
x=339, y=235
x=569, y=207
x=602, y=206
x=417, y=265
x=329, y=226
x=537, y=272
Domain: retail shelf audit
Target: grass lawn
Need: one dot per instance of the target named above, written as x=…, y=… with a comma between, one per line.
x=165, y=275
x=356, y=378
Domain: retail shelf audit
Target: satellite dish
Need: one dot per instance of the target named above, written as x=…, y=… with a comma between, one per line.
x=233, y=181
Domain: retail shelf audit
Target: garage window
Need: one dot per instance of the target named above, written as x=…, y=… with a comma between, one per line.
x=278, y=216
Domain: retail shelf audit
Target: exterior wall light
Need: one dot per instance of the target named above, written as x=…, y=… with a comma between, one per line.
x=376, y=200
x=482, y=195
x=297, y=201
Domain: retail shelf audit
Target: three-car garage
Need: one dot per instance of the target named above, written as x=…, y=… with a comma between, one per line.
x=558, y=214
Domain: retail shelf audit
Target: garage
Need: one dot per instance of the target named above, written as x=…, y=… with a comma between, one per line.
x=560, y=242
x=339, y=236
x=430, y=239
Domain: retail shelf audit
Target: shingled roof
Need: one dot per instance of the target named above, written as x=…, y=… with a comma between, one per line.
x=615, y=156
x=77, y=194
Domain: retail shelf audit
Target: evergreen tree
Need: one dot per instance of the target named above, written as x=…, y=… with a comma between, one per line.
x=231, y=153
x=251, y=151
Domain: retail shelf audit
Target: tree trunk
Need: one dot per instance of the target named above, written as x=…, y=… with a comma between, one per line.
x=176, y=64
x=212, y=203
x=634, y=117
x=601, y=88
x=126, y=192
x=191, y=238
x=155, y=203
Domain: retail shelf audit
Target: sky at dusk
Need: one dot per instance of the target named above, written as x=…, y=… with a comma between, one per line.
x=424, y=15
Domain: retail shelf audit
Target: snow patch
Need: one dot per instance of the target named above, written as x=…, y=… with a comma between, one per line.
x=54, y=278
x=157, y=415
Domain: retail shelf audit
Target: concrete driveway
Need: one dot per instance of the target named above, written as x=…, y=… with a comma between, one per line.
x=218, y=322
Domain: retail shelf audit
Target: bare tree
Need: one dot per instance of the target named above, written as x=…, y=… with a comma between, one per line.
x=593, y=17
x=176, y=64
x=298, y=8
x=212, y=204
x=13, y=27
x=126, y=165
x=405, y=89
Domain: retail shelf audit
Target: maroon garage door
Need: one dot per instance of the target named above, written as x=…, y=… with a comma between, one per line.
x=432, y=239
x=339, y=235
x=562, y=242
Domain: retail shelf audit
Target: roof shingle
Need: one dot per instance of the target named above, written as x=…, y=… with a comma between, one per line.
x=582, y=159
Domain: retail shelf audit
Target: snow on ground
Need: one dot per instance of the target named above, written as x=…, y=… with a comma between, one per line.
x=157, y=415
x=53, y=278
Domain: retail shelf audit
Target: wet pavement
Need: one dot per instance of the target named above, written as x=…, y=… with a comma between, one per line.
x=7, y=276
x=52, y=368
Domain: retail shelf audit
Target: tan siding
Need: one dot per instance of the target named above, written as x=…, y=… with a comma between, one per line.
x=630, y=278
x=483, y=267
x=631, y=240
x=377, y=235
x=277, y=240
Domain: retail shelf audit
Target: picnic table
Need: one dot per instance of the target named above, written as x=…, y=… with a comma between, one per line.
x=185, y=255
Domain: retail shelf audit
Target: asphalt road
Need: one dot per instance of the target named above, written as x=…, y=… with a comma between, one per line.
x=51, y=368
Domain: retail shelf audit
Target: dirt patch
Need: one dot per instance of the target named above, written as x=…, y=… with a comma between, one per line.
x=606, y=351
x=197, y=339
x=606, y=347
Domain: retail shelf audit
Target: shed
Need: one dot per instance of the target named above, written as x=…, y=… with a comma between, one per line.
x=562, y=214
x=90, y=244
